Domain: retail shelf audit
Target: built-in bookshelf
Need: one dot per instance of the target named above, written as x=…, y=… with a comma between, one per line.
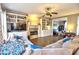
x=46, y=23
x=43, y=24
x=15, y=22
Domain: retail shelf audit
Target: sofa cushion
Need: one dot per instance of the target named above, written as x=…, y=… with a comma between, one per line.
x=57, y=44
x=34, y=46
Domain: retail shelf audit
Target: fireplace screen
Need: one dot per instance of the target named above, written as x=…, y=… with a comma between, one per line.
x=33, y=32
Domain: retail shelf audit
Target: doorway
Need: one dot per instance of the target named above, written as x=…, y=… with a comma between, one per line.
x=59, y=25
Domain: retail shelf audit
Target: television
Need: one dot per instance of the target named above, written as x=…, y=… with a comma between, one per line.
x=18, y=26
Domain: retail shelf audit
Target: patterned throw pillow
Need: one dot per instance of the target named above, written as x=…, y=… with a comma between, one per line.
x=66, y=39
x=5, y=50
x=18, y=49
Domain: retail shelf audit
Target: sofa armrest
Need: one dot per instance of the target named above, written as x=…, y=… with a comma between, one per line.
x=28, y=51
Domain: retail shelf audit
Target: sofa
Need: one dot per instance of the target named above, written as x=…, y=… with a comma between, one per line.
x=66, y=46
x=70, y=47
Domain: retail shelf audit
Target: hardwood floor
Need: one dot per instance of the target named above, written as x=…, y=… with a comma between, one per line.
x=43, y=41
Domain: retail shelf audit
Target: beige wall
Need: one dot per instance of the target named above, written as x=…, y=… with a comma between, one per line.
x=34, y=20
x=0, y=8
x=72, y=23
x=0, y=24
x=0, y=28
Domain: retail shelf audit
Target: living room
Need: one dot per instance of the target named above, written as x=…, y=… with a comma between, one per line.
x=42, y=24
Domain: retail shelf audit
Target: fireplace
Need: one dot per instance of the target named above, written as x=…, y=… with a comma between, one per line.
x=33, y=32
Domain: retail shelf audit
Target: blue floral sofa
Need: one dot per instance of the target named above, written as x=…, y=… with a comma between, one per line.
x=12, y=48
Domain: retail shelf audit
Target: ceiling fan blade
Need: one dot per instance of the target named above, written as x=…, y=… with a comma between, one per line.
x=41, y=16
x=54, y=12
x=27, y=14
x=48, y=8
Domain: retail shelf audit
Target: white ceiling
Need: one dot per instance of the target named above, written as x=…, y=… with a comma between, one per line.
x=37, y=8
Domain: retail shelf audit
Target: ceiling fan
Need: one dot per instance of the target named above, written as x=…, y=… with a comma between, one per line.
x=49, y=12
